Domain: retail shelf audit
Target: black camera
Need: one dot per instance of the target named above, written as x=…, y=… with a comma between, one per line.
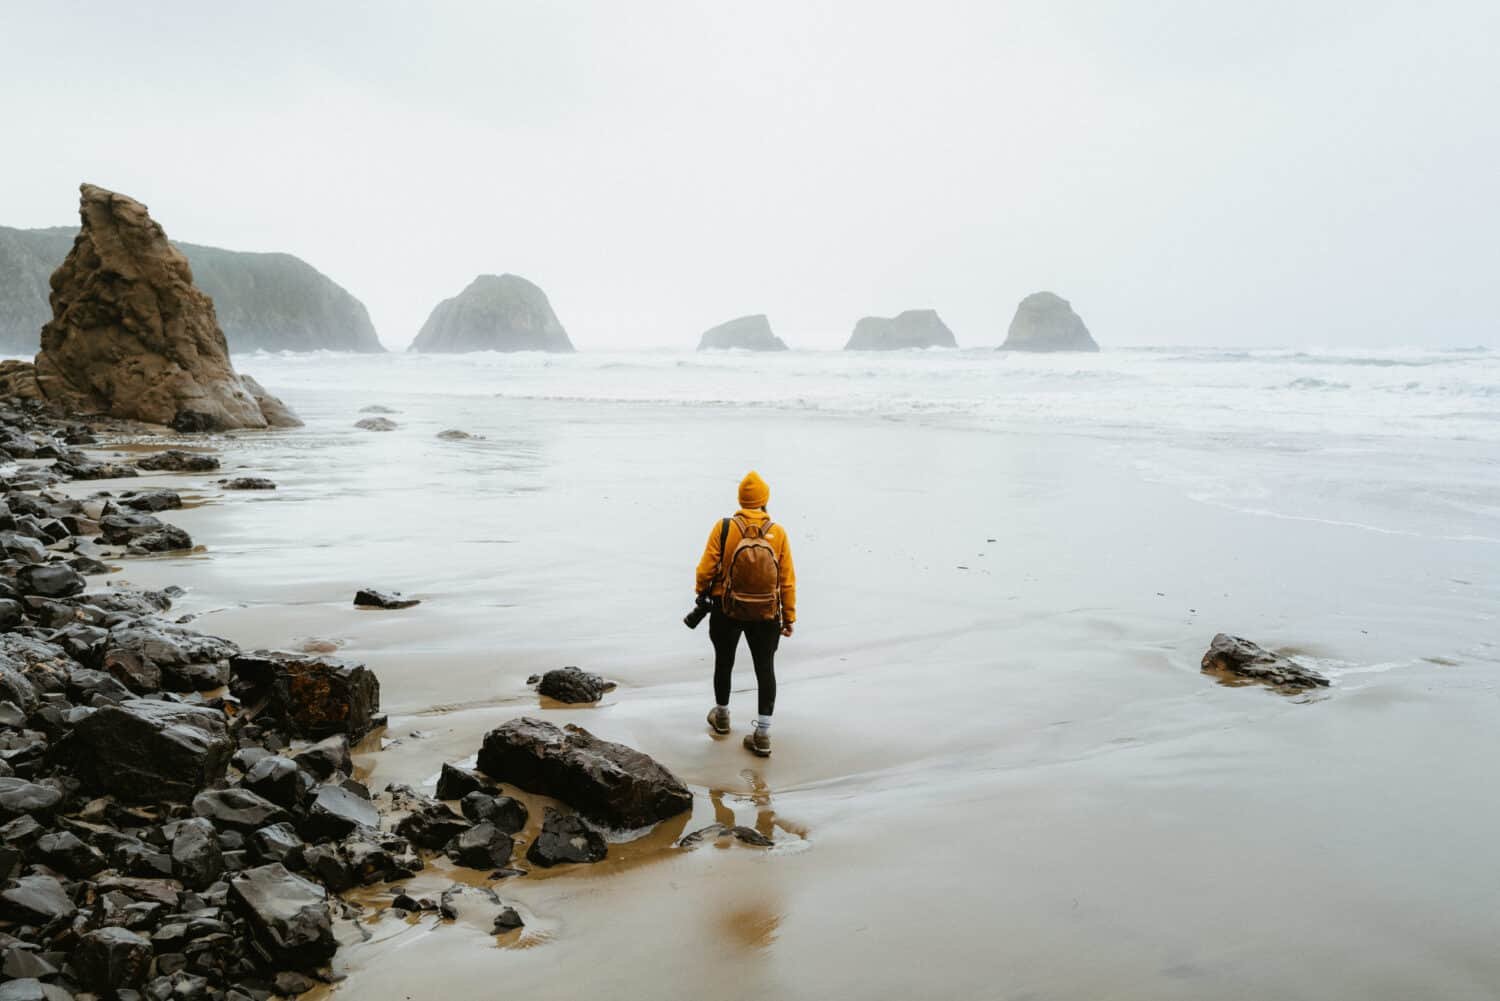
x=706, y=603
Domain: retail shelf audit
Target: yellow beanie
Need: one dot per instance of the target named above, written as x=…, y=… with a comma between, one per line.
x=753, y=491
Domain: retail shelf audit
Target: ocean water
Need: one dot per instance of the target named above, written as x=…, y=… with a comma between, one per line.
x=998, y=770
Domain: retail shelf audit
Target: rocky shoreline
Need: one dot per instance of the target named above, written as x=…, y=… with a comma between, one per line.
x=179, y=817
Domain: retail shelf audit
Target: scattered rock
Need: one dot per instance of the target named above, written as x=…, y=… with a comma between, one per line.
x=456, y=783
x=483, y=846
x=52, y=581
x=237, y=808
x=326, y=757
x=508, y=920
x=64, y=852
x=376, y=424
x=565, y=838
x=151, y=500
x=109, y=959
x=609, y=783
x=1239, y=658
x=569, y=684
x=718, y=832
x=431, y=825
x=1046, y=322
x=453, y=434
x=175, y=460
x=196, y=857
x=19, y=797
x=368, y=597
x=288, y=916
x=508, y=814
x=336, y=812
x=147, y=751
x=36, y=899
x=156, y=655
x=317, y=697
x=247, y=483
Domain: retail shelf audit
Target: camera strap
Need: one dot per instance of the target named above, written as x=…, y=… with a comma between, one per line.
x=723, y=538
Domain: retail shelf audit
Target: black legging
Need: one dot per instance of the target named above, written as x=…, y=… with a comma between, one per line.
x=763, y=638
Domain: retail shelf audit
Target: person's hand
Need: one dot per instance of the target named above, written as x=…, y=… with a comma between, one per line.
x=786, y=630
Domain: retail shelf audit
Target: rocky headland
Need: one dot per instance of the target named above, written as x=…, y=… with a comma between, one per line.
x=1046, y=322
x=747, y=333
x=264, y=302
x=494, y=313
x=131, y=336
x=914, y=328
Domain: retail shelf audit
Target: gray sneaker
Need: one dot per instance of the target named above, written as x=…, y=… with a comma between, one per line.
x=758, y=743
x=718, y=720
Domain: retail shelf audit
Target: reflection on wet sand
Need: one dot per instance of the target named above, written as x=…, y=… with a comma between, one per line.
x=767, y=823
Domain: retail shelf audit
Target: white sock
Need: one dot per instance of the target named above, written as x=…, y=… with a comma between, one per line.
x=762, y=723
x=722, y=709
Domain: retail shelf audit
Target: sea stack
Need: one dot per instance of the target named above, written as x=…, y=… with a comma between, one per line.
x=495, y=313
x=915, y=328
x=131, y=335
x=750, y=333
x=1046, y=322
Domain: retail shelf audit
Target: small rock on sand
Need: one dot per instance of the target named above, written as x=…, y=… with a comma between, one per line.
x=247, y=483
x=569, y=684
x=376, y=424
x=368, y=597
x=453, y=434
x=1239, y=658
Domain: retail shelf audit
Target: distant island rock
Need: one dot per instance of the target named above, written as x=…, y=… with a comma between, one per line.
x=750, y=333
x=131, y=336
x=1046, y=322
x=264, y=302
x=495, y=313
x=915, y=328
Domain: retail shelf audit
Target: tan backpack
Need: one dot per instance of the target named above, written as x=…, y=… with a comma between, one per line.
x=752, y=576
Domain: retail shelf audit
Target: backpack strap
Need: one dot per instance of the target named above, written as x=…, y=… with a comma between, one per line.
x=723, y=538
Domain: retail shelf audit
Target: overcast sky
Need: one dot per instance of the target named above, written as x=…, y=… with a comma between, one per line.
x=1184, y=171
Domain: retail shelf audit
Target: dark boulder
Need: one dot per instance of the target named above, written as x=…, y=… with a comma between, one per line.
x=22, y=548
x=146, y=751
x=279, y=780
x=32, y=989
x=52, y=581
x=326, y=757
x=337, y=812
x=86, y=469
x=456, y=783
x=166, y=539
x=17, y=689
x=609, y=783
x=64, y=852
x=315, y=696
x=21, y=798
x=483, y=846
x=565, y=838
x=22, y=963
x=508, y=814
x=431, y=825
x=37, y=899
x=151, y=500
x=288, y=916
x=277, y=843
x=569, y=684
x=507, y=920
x=109, y=959
x=197, y=859
x=11, y=613
x=177, y=461
x=1235, y=658
x=368, y=597
x=182, y=660
x=237, y=809
x=247, y=483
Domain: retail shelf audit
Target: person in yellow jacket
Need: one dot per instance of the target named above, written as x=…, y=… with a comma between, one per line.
x=747, y=571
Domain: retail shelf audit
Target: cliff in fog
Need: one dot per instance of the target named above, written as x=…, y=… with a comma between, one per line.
x=272, y=302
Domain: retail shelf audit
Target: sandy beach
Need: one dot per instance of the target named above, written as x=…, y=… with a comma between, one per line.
x=998, y=771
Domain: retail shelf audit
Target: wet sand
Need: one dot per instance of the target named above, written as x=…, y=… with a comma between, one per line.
x=998, y=772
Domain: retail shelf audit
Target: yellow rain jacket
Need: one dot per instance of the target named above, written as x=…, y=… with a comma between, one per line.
x=709, y=580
